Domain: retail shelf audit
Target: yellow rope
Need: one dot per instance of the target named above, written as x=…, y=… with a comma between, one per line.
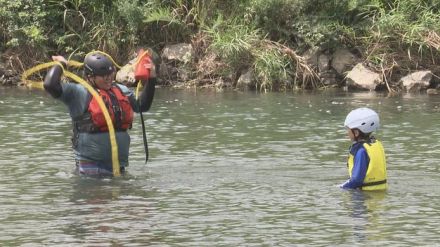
x=108, y=120
x=107, y=55
x=39, y=84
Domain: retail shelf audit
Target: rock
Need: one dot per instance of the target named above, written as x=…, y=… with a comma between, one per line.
x=432, y=91
x=363, y=78
x=246, y=80
x=125, y=74
x=178, y=52
x=328, y=77
x=2, y=69
x=175, y=65
x=416, y=81
x=8, y=77
x=165, y=71
x=311, y=56
x=220, y=84
x=323, y=62
x=343, y=60
x=183, y=73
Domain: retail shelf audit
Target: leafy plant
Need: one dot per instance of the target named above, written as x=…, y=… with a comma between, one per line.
x=23, y=23
x=271, y=68
x=232, y=40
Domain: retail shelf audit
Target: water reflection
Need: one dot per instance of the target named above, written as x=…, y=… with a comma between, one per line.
x=102, y=208
x=94, y=191
x=365, y=208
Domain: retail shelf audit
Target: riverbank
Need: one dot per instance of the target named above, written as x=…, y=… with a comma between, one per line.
x=182, y=66
x=263, y=45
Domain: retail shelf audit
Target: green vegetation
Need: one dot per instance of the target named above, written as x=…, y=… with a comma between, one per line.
x=263, y=35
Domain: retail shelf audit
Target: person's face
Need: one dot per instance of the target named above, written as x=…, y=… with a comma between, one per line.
x=103, y=81
x=352, y=134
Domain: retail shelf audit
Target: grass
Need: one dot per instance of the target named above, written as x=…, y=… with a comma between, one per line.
x=266, y=36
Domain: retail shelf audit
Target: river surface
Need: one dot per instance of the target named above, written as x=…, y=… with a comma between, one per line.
x=225, y=169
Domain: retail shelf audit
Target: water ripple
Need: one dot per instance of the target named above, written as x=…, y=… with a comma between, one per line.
x=229, y=169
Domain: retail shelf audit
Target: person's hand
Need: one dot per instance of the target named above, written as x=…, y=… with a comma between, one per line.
x=60, y=59
x=145, y=67
x=343, y=184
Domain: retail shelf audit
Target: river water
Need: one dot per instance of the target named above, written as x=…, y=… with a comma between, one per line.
x=225, y=169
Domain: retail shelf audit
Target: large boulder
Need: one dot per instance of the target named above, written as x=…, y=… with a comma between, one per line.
x=317, y=58
x=343, y=60
x=125, y=74
x=362, y=78
x=175, y=67
x=178, y=52
x=416, y=81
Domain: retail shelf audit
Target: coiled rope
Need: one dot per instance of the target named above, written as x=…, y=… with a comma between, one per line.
x=71, y=63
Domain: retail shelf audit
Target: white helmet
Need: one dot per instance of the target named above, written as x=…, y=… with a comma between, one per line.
x=364, y=119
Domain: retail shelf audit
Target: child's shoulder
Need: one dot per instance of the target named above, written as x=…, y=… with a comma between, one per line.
x=356, y=146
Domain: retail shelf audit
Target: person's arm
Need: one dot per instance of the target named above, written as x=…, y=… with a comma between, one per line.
x=146, y=98
x=52, y=80
x=359, y=171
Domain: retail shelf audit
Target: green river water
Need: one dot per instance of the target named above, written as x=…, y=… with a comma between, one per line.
x=225, y=169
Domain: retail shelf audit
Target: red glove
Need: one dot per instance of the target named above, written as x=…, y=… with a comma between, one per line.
x=143, y=66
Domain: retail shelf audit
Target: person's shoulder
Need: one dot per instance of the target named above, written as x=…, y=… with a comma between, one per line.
x=73, y=93
x=124, y=89
x=73, y=86
x=121, y=86
x=355, y=147
x=361, y=152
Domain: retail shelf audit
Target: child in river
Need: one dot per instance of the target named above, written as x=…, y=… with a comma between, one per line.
x=366, y=160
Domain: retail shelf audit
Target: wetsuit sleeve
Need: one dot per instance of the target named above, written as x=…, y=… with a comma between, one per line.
x=359, y=171
x=146, y=98
x=52, y=81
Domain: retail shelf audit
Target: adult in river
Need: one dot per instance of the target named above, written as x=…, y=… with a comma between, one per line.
x=90, y=138
x=366, y=160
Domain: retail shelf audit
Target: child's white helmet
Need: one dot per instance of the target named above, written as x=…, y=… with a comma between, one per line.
x=364, y=119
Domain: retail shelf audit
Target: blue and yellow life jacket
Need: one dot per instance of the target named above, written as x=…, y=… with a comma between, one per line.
x=376, y=177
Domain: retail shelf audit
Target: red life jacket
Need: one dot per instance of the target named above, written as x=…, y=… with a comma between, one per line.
x=118, y=106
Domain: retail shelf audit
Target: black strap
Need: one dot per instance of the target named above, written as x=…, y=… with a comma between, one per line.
x=84, y=123
x=144, y=134
x=116, y=109
x=374, y=183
